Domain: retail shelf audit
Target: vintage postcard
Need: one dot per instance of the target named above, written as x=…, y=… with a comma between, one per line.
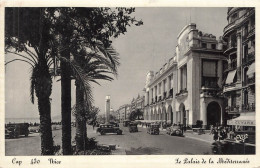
x=133, y=84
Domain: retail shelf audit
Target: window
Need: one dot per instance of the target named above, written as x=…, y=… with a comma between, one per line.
x=213, y=46
x=245, y=98
x=233, y=101
x=160, y=88
x=204, y=45
x=183, y=71
x=234, y=17
x=209, y=74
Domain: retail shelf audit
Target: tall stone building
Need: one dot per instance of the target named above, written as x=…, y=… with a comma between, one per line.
x=200, y=67
x=188, y=87
x=239, y=72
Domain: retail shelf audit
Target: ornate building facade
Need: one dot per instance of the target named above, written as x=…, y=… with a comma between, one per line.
x=159, y=93
x=188, y=87
x=239, y=88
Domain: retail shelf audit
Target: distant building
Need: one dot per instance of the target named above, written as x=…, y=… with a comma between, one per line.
x=137, y=107
x=159, y=100
x=239, y=73
x=122, y=113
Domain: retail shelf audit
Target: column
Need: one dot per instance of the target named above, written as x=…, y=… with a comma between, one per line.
x=107, y=108
x=179, y=81
x=203, y=113
x=239, y=56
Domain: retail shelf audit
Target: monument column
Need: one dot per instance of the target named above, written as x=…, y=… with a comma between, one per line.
x=107, y=109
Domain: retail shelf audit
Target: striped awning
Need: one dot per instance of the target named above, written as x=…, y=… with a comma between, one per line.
x=251, y=70
x=230, y=77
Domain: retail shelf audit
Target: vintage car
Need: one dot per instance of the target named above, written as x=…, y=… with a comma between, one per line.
x=108, y=128
x=174, y=130
x=115, y=124
x=17, y=129
x=153, y=129
x=242, y=142
x=132, y=127
x=126, y=122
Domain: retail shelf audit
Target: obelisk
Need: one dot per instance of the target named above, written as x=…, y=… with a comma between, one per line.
x=107, y=109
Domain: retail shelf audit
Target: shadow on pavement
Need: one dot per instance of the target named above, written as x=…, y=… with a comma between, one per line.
x=143, y=151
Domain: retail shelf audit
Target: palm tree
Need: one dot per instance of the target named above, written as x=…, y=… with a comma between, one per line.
x=96, y=65
x=33, y=47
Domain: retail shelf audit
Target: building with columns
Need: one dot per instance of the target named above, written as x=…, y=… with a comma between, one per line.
x=239, y=72
x=188, y=87
x=200, y=67
x=159, y=101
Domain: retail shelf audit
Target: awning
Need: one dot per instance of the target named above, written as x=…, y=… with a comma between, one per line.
x=251, y=70
x=243, y=120
x=231, y=76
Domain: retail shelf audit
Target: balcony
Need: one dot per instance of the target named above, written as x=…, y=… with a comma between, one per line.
x=248, y=107
x=232, y=66
x=236, y=22
x=250, y=57
x=160, y=98
x=170, y=95
x=232, y=109
x=164, y=95
x=182, y=92
x=210, y=92
x=250, y=33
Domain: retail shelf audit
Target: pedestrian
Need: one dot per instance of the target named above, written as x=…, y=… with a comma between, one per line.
x=211, y=129
x=94, y=125
x=215, y=137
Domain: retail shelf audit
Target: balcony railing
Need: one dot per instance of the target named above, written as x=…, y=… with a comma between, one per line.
x=250, y=57
x=170, y=95
x=182, y=92
x=239, y=20
x=232, y=65
x=232, y=109
x=248, y=107
x=164, y=95
x=160, y=98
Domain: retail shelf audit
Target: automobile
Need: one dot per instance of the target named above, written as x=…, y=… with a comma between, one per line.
x=16, y=129
x=153, y=129
x=115, y=124
x=132, y=127
x=109, y=128
x=126, y=122
x=174, y=130
x=34, y=128
x=243, y=142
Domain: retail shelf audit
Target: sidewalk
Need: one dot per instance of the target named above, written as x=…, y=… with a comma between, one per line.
x=203, y=137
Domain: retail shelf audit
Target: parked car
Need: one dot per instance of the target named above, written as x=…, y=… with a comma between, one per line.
x=34, y=128
x=132, y=127
x=236, y=145
x=126, y=122
x=114, y=124
x=153, y=129
x=108, y=128
x=17, y=129
x=174, y=130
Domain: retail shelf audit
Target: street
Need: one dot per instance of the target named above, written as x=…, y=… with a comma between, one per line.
x=139, y=143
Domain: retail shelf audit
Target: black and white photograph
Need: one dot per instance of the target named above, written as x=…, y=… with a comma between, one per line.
x=129, y=81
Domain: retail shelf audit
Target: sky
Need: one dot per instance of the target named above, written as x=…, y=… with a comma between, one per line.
x=141, y=49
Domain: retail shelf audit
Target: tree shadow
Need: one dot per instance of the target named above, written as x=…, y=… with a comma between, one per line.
x=143, y=151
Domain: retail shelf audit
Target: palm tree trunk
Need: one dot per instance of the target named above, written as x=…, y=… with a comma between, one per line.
x=45, y=126
x=66, y=104
x=80, y=119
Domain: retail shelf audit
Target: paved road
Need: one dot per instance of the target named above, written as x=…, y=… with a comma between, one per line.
x=132, y=143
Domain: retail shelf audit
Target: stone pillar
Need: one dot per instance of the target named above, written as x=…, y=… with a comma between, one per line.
x=179, y=81
x=239, y=56
x=203, y=113
x=107, y=109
